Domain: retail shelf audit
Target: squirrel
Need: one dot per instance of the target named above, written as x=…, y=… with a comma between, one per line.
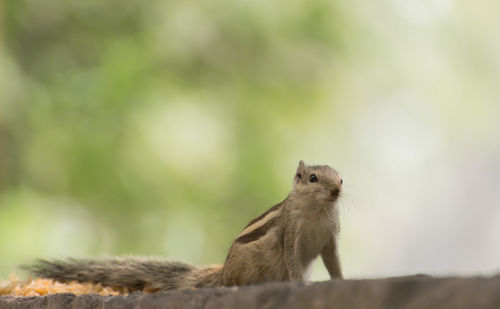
x=278, y=245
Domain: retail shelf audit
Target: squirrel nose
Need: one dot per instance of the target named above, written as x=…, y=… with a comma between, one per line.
x=341, y=181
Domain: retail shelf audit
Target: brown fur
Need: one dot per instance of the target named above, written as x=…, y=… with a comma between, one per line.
x=278, y=245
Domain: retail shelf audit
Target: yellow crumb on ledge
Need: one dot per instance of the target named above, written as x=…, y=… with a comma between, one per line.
x=13, y=286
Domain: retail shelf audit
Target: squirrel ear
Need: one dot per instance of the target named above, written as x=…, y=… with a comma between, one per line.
x=300, y=171
x=301, y=167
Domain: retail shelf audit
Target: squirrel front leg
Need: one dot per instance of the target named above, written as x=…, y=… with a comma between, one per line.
x=292, y=257
x=331, y=258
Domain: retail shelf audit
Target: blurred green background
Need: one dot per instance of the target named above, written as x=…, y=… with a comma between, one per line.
x=163, y=127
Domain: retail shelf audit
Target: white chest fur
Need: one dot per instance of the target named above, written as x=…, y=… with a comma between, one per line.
x=315, y=230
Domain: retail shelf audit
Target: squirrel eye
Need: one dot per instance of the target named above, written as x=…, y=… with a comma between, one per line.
x=299, y=176
x=313, y=178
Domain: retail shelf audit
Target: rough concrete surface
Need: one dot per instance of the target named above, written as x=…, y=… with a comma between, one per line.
x=403, y=292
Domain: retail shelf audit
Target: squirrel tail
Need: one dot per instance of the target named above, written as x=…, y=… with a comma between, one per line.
x=131, y=273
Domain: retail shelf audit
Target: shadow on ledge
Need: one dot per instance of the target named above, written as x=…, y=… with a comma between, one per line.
x=401, y=292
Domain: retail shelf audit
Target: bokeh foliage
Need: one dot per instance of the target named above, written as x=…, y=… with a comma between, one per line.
x=163, y=127
x=130, y=126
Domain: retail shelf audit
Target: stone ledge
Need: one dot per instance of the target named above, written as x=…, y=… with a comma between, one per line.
x=402, y=292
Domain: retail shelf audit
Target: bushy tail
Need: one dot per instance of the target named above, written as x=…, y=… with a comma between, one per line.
x=131, y=273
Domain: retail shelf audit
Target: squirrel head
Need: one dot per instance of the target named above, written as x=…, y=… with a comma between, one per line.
x=320, y=183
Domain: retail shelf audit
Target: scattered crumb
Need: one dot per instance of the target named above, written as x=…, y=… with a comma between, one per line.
x=13, y=286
